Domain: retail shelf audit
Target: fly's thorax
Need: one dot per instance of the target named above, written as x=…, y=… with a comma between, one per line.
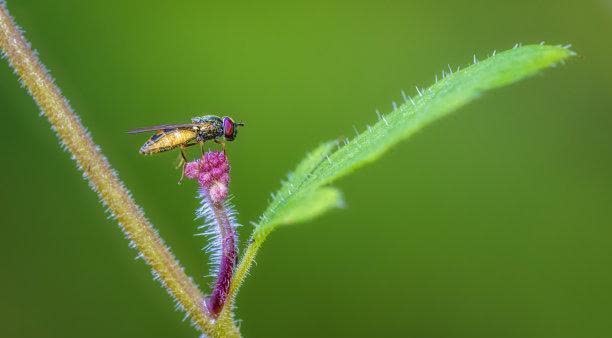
x=208, y=127
x=206, y=119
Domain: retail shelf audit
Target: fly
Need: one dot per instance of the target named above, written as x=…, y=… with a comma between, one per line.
x=200, y=130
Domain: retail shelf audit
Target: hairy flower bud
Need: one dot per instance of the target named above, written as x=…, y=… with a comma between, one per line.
x=212, y=172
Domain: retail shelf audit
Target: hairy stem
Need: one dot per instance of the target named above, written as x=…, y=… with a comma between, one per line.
x=240, y=274
x=102, y=178
x=227, y=236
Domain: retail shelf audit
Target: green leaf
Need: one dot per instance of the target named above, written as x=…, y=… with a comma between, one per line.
x=303, y=195
x=278, y=212
x=309, y=206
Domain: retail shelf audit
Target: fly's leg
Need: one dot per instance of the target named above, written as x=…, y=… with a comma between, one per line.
x=202, y=148
x=221, y=143
x=182, y=158
x=182, y=163
x=183, y=154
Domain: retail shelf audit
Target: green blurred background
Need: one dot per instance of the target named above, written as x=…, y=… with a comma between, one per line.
x=495, y=222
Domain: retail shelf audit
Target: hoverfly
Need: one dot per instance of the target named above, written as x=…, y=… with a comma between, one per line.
x=200, y=130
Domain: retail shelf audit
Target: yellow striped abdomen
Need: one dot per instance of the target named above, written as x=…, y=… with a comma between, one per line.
x=167, y=140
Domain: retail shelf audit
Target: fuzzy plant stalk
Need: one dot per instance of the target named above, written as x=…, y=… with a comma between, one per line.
x=212, y=173
x=103, y=179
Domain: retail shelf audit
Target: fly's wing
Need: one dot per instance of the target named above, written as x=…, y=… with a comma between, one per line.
x=161, y=127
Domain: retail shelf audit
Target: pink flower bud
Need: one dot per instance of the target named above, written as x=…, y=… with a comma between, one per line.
x=216, y=173
x=218, y=192
x=205, y=180
x=204, y=166
x=191, y=170
x=211, y=172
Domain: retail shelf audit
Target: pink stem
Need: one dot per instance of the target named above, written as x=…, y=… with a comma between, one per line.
x=227, y=263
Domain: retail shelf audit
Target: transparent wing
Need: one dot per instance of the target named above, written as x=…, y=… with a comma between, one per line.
x=160, y=127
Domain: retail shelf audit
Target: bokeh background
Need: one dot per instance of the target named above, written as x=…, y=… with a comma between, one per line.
x=494, y=222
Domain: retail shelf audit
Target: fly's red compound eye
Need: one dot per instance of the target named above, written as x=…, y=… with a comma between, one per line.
x=228, y=128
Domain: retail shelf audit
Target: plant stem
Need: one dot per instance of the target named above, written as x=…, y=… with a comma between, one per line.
x=227, y=236
x=102, y=178
x=240, y=274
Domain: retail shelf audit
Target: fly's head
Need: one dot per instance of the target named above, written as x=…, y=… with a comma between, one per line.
x=230, y=128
